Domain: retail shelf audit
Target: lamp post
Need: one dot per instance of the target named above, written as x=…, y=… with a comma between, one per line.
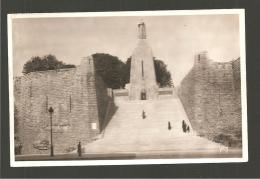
x=51, y=111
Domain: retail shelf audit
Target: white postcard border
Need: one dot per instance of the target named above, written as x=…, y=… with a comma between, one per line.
x=240, y=12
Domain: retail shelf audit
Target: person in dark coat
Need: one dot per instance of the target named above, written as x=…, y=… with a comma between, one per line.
x=169, y=125
x=183, y=126
x=143, y=115
x=79, y=149
x=188, y=129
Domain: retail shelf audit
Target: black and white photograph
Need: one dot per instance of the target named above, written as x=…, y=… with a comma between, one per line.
x=126, y=88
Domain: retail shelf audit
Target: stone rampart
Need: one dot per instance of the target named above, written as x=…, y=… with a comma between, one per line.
x=210, y=93
x=79, y=99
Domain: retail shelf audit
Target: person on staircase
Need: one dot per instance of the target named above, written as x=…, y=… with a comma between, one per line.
x=143, y=115
x=184, y=126
x=169, y=125
x=188, y=129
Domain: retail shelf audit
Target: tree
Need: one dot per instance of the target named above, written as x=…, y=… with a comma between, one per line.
x=111, y=69
x=163, y=76
x=47, y=62
x=126, y=71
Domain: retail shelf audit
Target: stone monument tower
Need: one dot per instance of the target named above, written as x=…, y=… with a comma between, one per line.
x=143, y=84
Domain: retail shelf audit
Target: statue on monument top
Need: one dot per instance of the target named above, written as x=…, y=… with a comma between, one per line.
x=141, y=31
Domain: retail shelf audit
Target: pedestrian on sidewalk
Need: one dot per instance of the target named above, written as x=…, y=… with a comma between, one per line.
x=79, y=149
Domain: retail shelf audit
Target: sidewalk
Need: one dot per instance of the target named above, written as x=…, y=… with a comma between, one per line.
x=232, y=153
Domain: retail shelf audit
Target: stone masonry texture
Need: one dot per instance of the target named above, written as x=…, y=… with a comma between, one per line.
x=211, y=95
x=79, y=99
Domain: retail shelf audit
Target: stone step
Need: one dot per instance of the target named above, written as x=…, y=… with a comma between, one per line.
x=127, y=131
x=178, y=143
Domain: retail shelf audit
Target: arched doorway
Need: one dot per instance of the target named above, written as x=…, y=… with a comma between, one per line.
x=143, y=95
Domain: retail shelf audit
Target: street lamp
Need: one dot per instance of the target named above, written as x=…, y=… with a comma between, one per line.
x=51, y=111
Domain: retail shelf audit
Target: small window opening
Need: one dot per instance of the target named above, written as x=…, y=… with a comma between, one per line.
x=70, y=103
x=46, y=105
x=142, y=68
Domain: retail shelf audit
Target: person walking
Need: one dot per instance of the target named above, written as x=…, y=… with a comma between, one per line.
x=143, y=115
x=188, y=129
x=79, y=149
x=169, y=125
x=183, y=126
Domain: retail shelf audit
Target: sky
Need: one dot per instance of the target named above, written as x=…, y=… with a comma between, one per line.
x=174, y=39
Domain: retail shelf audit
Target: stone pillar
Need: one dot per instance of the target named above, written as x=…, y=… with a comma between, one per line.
x=89, y=94
x=142, y=74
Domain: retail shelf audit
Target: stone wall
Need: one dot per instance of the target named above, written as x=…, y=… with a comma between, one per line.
x=79, y=99
x=211, y=95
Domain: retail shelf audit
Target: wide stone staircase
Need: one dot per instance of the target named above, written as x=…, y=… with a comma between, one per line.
x=128, y=132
